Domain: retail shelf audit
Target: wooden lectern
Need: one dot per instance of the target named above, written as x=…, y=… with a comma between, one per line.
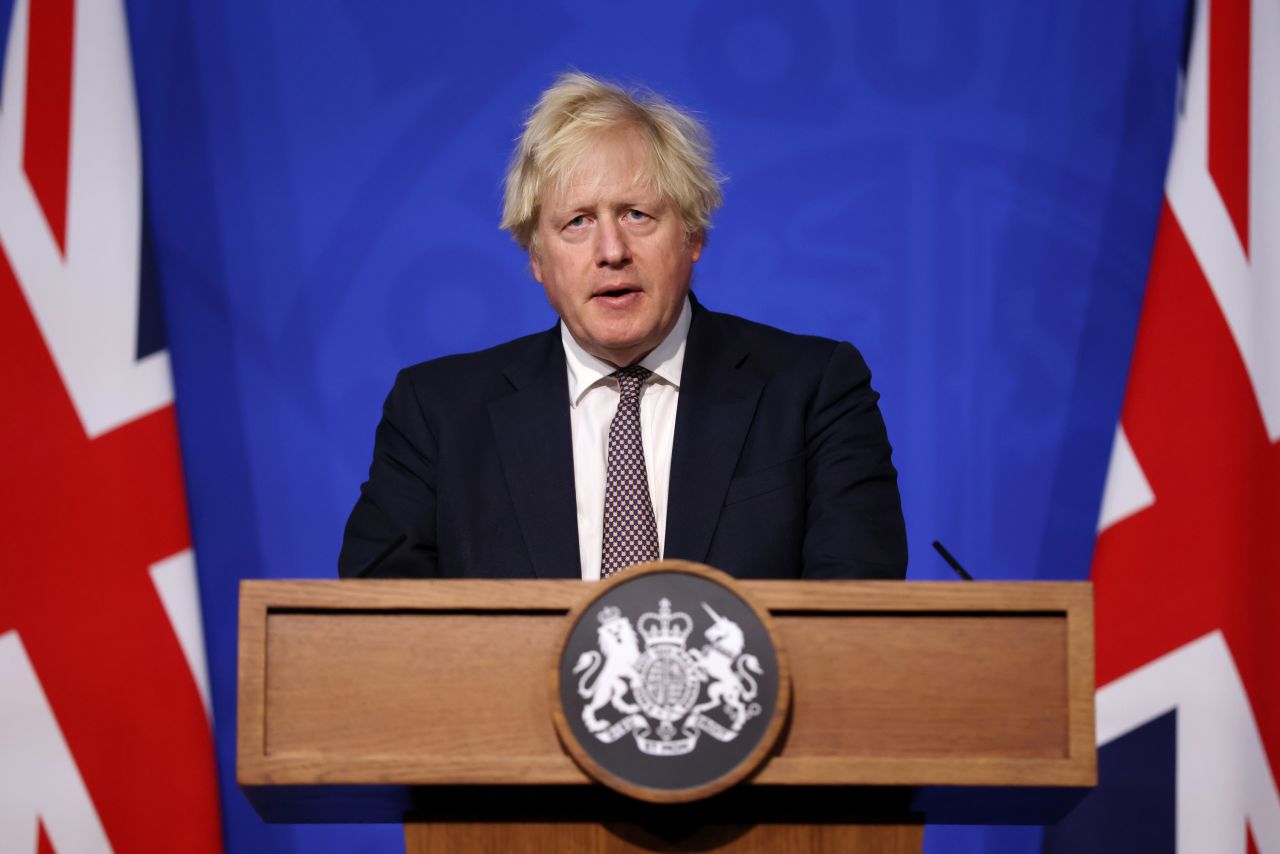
x=427, y=702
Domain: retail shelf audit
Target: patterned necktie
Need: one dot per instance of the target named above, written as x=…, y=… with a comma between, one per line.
x=630, y=533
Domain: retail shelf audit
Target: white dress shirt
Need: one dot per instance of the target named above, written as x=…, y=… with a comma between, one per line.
x=593, y=401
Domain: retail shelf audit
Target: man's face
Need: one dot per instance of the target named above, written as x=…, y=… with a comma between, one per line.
x=612, y=255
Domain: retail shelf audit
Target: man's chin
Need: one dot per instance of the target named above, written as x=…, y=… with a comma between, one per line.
x=621, y=353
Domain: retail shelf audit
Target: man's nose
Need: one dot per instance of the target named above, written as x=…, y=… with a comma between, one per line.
x=611, y=244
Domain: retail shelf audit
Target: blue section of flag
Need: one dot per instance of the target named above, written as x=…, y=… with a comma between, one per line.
x=6, y=15
x=1134, y=806
x=151, y=337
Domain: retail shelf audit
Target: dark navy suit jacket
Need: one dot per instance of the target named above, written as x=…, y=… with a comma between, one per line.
x=780, y=466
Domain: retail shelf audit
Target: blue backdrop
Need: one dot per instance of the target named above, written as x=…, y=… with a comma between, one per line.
x=966, y=190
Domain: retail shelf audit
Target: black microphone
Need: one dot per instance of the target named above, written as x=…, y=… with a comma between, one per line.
x=951, y=561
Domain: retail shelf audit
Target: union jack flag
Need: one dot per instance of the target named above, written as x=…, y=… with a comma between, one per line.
x=1187, y=565
x=104, y=724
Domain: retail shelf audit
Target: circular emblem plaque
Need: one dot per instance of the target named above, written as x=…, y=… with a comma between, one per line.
x=669, y=684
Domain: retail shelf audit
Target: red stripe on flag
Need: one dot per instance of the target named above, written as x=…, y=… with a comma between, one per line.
x=1229, y=52
x=83, y=521
x=43, y=845
x=47, y=143
x=1203, y=556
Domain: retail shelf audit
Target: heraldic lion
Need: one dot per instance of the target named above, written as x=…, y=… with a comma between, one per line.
x=619, y=650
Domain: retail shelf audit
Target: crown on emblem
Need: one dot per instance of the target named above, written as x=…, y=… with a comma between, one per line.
x=664, y=626
x=608, y=614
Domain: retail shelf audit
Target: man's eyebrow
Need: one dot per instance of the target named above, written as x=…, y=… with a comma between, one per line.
x=591, y=197
x=566, y=209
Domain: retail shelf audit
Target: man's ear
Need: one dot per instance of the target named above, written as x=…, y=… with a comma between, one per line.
x=534, y=265
x=696, y=241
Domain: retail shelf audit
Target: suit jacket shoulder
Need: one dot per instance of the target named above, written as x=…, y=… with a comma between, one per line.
x=781, y=466
x=483, y=375
x=472, y=472
x=770, y=350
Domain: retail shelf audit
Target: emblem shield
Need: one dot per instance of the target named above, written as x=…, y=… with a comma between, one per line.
x=669, y=685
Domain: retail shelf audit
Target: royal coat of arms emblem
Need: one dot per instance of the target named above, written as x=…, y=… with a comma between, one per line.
x=669, y=685
x=666, y=695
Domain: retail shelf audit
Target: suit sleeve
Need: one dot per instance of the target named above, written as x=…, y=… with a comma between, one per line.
x=854, y=526
x=391, y=532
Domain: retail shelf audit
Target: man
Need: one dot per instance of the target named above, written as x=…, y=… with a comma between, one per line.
x=643, y=425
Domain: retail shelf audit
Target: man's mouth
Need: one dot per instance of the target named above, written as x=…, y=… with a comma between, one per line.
x=615, y=293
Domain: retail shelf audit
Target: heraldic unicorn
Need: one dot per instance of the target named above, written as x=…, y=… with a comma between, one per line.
x=659, y=690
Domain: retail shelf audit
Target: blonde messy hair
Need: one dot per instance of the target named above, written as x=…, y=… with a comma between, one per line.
x=572, y=115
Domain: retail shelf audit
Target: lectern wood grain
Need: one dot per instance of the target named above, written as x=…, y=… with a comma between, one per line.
x=439, y=682
x=438, y=687
x=995, y=687
x=442, y=687
x=539, y=838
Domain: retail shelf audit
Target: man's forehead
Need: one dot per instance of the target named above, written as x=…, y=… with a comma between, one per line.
x=600, y=189
x=615, y=162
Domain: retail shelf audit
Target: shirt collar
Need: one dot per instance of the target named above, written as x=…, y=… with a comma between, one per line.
x=666, y=361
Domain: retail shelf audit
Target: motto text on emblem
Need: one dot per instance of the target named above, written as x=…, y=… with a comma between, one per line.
x=666, y=695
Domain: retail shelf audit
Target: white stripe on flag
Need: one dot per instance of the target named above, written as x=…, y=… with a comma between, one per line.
x=39, y=780
x=175, y=581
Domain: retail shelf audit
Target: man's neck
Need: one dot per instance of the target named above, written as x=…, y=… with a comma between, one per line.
x=666, y=360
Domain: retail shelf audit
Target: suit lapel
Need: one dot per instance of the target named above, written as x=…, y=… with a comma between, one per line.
x=718, y=398
x=535, y=443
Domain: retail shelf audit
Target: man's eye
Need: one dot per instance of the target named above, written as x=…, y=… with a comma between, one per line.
x=636, y=216
x=577, y=222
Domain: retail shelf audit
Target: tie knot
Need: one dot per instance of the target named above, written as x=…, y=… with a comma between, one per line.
x=629, y=381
